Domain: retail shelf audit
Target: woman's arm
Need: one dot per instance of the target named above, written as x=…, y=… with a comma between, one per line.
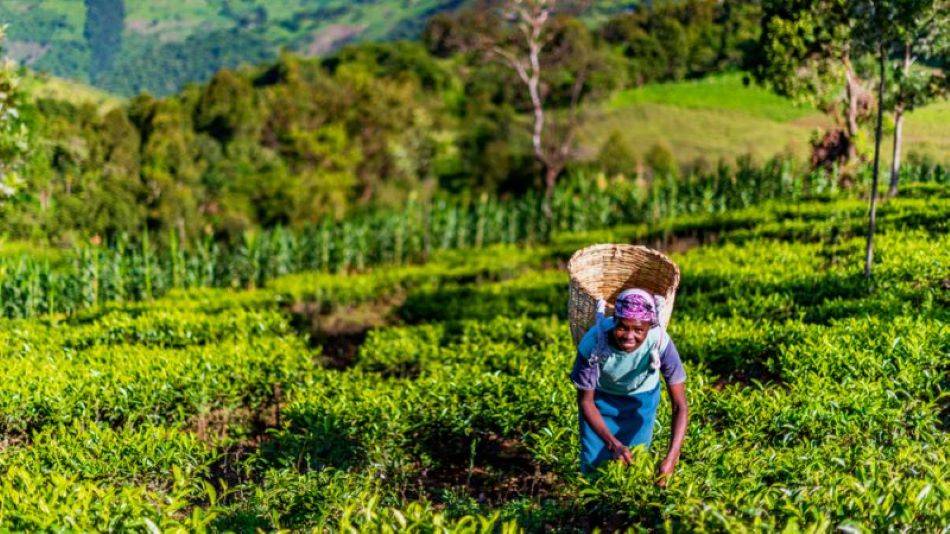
x=585, y=403
x=680, y=417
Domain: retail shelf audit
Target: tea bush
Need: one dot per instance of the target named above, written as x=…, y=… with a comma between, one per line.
x=818, y=400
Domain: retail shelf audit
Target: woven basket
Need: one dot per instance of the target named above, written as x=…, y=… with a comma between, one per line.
x=603, y=271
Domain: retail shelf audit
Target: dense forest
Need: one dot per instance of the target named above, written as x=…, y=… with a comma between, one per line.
x=299, y=140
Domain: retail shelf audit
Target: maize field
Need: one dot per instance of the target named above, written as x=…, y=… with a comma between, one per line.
x=126, y=270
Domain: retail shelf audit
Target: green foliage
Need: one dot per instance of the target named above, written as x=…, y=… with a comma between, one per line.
x=824, y=406
x=615, y=158
x=661, y=160
x=676, y=40
x=226, y=107
x=818, y=52
x=299, y=142
x=14, y=135
x=130, y=46
x=815, y=398
x=198, y=377
x=128, y=270
x=800, y=54
x=162, y=49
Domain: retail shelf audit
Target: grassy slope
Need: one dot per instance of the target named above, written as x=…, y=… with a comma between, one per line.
x=720, y=117
x=927, y=130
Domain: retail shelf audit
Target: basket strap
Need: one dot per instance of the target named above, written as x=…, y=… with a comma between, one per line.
x=599, y=317
x=658, y=301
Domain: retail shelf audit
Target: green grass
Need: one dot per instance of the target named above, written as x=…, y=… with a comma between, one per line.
x=927, y=131
x=724, y=92
x=710, y=134
x=715, y=118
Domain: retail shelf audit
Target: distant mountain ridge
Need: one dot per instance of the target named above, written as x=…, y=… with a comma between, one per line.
x=158, y=46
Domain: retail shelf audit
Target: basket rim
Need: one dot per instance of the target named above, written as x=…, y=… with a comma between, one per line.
x=627, y=247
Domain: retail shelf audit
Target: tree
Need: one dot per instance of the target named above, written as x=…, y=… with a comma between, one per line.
x=806, y=42
x=807, y=51
x=116, y=188
x=226, y=108
x=883, y=27
x=540, y=47
x=921, y=34
x=169, y=172
x=667, y=39
x=325, y=173
x=874, y=16
x=615, y=157
x=14, y=139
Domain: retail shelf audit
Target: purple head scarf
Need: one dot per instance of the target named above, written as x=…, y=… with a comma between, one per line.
x=636, y=304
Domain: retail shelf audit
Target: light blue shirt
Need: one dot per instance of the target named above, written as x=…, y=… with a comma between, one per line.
x=623, y=373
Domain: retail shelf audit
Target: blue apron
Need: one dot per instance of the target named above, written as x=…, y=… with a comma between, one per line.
x=629, y=418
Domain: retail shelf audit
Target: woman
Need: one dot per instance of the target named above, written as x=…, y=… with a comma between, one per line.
x=617, y=374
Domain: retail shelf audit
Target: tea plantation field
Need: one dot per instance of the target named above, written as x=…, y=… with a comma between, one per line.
x=436, y=397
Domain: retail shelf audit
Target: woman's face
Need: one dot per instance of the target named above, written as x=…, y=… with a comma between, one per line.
x=629, y=333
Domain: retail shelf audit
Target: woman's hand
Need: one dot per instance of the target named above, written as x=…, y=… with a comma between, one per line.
x=620, y=451
x=585, y=400
x=665, y=470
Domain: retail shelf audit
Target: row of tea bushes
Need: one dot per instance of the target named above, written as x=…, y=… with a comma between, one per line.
x=107, y=418
x=817, y=400
x=801, y=417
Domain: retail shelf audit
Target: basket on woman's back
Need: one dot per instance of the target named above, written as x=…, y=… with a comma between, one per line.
x=603, y=271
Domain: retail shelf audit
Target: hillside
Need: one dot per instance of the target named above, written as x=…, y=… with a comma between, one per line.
x=235, y=154
x=720, y=117
x=677, y=115
x=159, y=46
x=297, y=141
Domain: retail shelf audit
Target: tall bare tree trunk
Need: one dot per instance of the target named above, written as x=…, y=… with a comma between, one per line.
x=899, y=128
x=869, y=250
x=550, y=149
x=534, y=91
x=852, y=90
x=898, y=142
x=530, y=74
